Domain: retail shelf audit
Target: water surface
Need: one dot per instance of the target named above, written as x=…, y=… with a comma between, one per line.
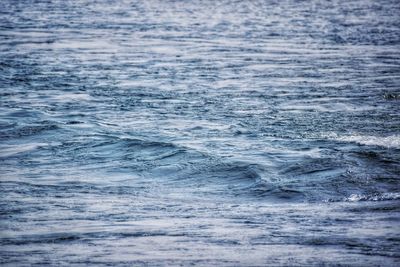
x=210, y=133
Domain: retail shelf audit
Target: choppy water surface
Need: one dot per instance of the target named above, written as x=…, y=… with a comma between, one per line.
x=213, y=133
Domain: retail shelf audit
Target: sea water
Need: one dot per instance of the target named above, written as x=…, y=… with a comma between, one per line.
x=207, y=133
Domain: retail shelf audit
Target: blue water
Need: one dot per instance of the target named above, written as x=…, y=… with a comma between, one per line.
x=206, y=133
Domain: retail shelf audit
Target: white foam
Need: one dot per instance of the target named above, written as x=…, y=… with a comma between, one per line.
x=12, y=150
x=388, y=141
x=375, y=197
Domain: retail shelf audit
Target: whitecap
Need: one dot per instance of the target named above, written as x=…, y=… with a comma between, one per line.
x=392, y=141
x=375, y=197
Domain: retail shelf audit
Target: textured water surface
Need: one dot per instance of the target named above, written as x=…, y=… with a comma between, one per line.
x=210, y=133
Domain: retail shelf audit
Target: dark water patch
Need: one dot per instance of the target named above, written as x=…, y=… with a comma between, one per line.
x=40, y=239
x=69, y=189
x=64, y=237
x=30, y=130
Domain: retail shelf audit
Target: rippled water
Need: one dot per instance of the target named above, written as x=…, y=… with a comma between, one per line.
x=211, y=133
